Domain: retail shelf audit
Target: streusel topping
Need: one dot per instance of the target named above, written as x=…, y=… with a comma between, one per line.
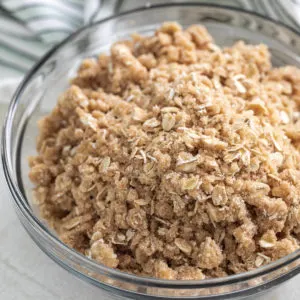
x=174, y=158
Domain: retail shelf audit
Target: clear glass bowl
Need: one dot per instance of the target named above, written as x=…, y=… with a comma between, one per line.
x=37, y=95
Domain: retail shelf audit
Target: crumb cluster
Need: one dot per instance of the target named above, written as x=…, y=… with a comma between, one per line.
x=174, y=158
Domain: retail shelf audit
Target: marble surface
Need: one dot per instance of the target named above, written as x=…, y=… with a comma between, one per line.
x=27, y=273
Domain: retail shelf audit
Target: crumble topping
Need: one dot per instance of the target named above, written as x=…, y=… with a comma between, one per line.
x=174, y=158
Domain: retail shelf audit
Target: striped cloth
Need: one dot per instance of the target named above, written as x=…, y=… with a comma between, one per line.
x=28, y=28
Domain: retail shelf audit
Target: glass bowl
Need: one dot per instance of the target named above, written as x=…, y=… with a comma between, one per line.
x=37, y=95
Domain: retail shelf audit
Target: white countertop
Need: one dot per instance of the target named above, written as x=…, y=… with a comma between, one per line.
x=27, y=273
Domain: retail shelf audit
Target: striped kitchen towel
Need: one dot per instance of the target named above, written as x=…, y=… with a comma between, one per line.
x=28, y=28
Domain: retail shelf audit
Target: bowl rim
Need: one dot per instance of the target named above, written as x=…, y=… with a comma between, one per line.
x=20, y=199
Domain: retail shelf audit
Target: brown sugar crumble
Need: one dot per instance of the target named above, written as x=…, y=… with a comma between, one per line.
x=174, y=158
